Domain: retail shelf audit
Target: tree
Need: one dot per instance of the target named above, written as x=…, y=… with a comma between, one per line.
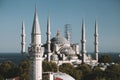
x=77, y=74
x=97, y=69
x=111, y=73
x=84, y=68
x=66, y=68
x=114, y=68
x=105, y=59
x=49, y=66
x=69, y=69
x=8, y=69
x=24, y=67
x=93, y=76
x=54, y=66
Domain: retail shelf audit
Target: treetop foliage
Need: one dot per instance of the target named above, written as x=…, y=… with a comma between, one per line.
x=82, y=72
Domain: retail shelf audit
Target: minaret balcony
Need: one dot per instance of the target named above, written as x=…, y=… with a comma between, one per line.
x=83, y=41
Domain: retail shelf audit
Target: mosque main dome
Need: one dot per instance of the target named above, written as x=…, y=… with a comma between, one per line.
x=58, y=39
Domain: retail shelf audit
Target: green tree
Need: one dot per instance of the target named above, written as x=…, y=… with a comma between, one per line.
x=105, y=59
x=114, y=68
x=8, y=69
x=49, y=66
x=97, y=69
x=93, y=76
x=84, y=68
x=24, y=67
x=77, y=74
x=71, y=70
x=111, y=73
x=66, y=68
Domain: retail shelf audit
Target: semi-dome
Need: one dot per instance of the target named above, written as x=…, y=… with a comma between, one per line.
x=67, y=51
x=62, y=76
x=58, y=39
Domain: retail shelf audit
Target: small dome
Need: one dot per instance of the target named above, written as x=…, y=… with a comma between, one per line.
x=59, y=39
x=54, y=57
x=62, y=76
x=67, y=51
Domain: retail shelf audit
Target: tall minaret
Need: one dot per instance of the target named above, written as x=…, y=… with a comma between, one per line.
x=83, y=41
x=35, y=51
x=48, y=38
x=23, y=39
x=96, y=41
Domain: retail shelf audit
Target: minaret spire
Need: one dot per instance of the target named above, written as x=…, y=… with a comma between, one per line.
x=35, y=50
x=83, y=41
x=23, y=38
x=36, y=30
x=48, y=38
x=96, y=41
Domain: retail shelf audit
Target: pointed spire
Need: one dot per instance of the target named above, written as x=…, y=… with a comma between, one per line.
x=96, y=41
x=48, y=24
x=96, y=27
x=36, y=26
x=83, y=30
x=35, y=50
x=23, y=38
x=48, y=39
x=23, y=27
x=36, y=33
x=83, y=41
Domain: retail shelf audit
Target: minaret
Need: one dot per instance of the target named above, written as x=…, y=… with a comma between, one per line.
x=23, y=39
x=48, y=39
x=96, y=41
x=35, y=51
x=83, y=41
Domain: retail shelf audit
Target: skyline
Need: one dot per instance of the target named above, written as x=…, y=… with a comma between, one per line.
x=61, y=12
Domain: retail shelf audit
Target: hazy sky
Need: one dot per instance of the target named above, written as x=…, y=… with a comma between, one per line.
x=107, y=13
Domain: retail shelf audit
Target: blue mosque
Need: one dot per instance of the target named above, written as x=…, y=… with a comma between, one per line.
x=57, y=49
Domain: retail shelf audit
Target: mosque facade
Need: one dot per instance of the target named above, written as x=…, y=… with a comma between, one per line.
x=57, y=49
